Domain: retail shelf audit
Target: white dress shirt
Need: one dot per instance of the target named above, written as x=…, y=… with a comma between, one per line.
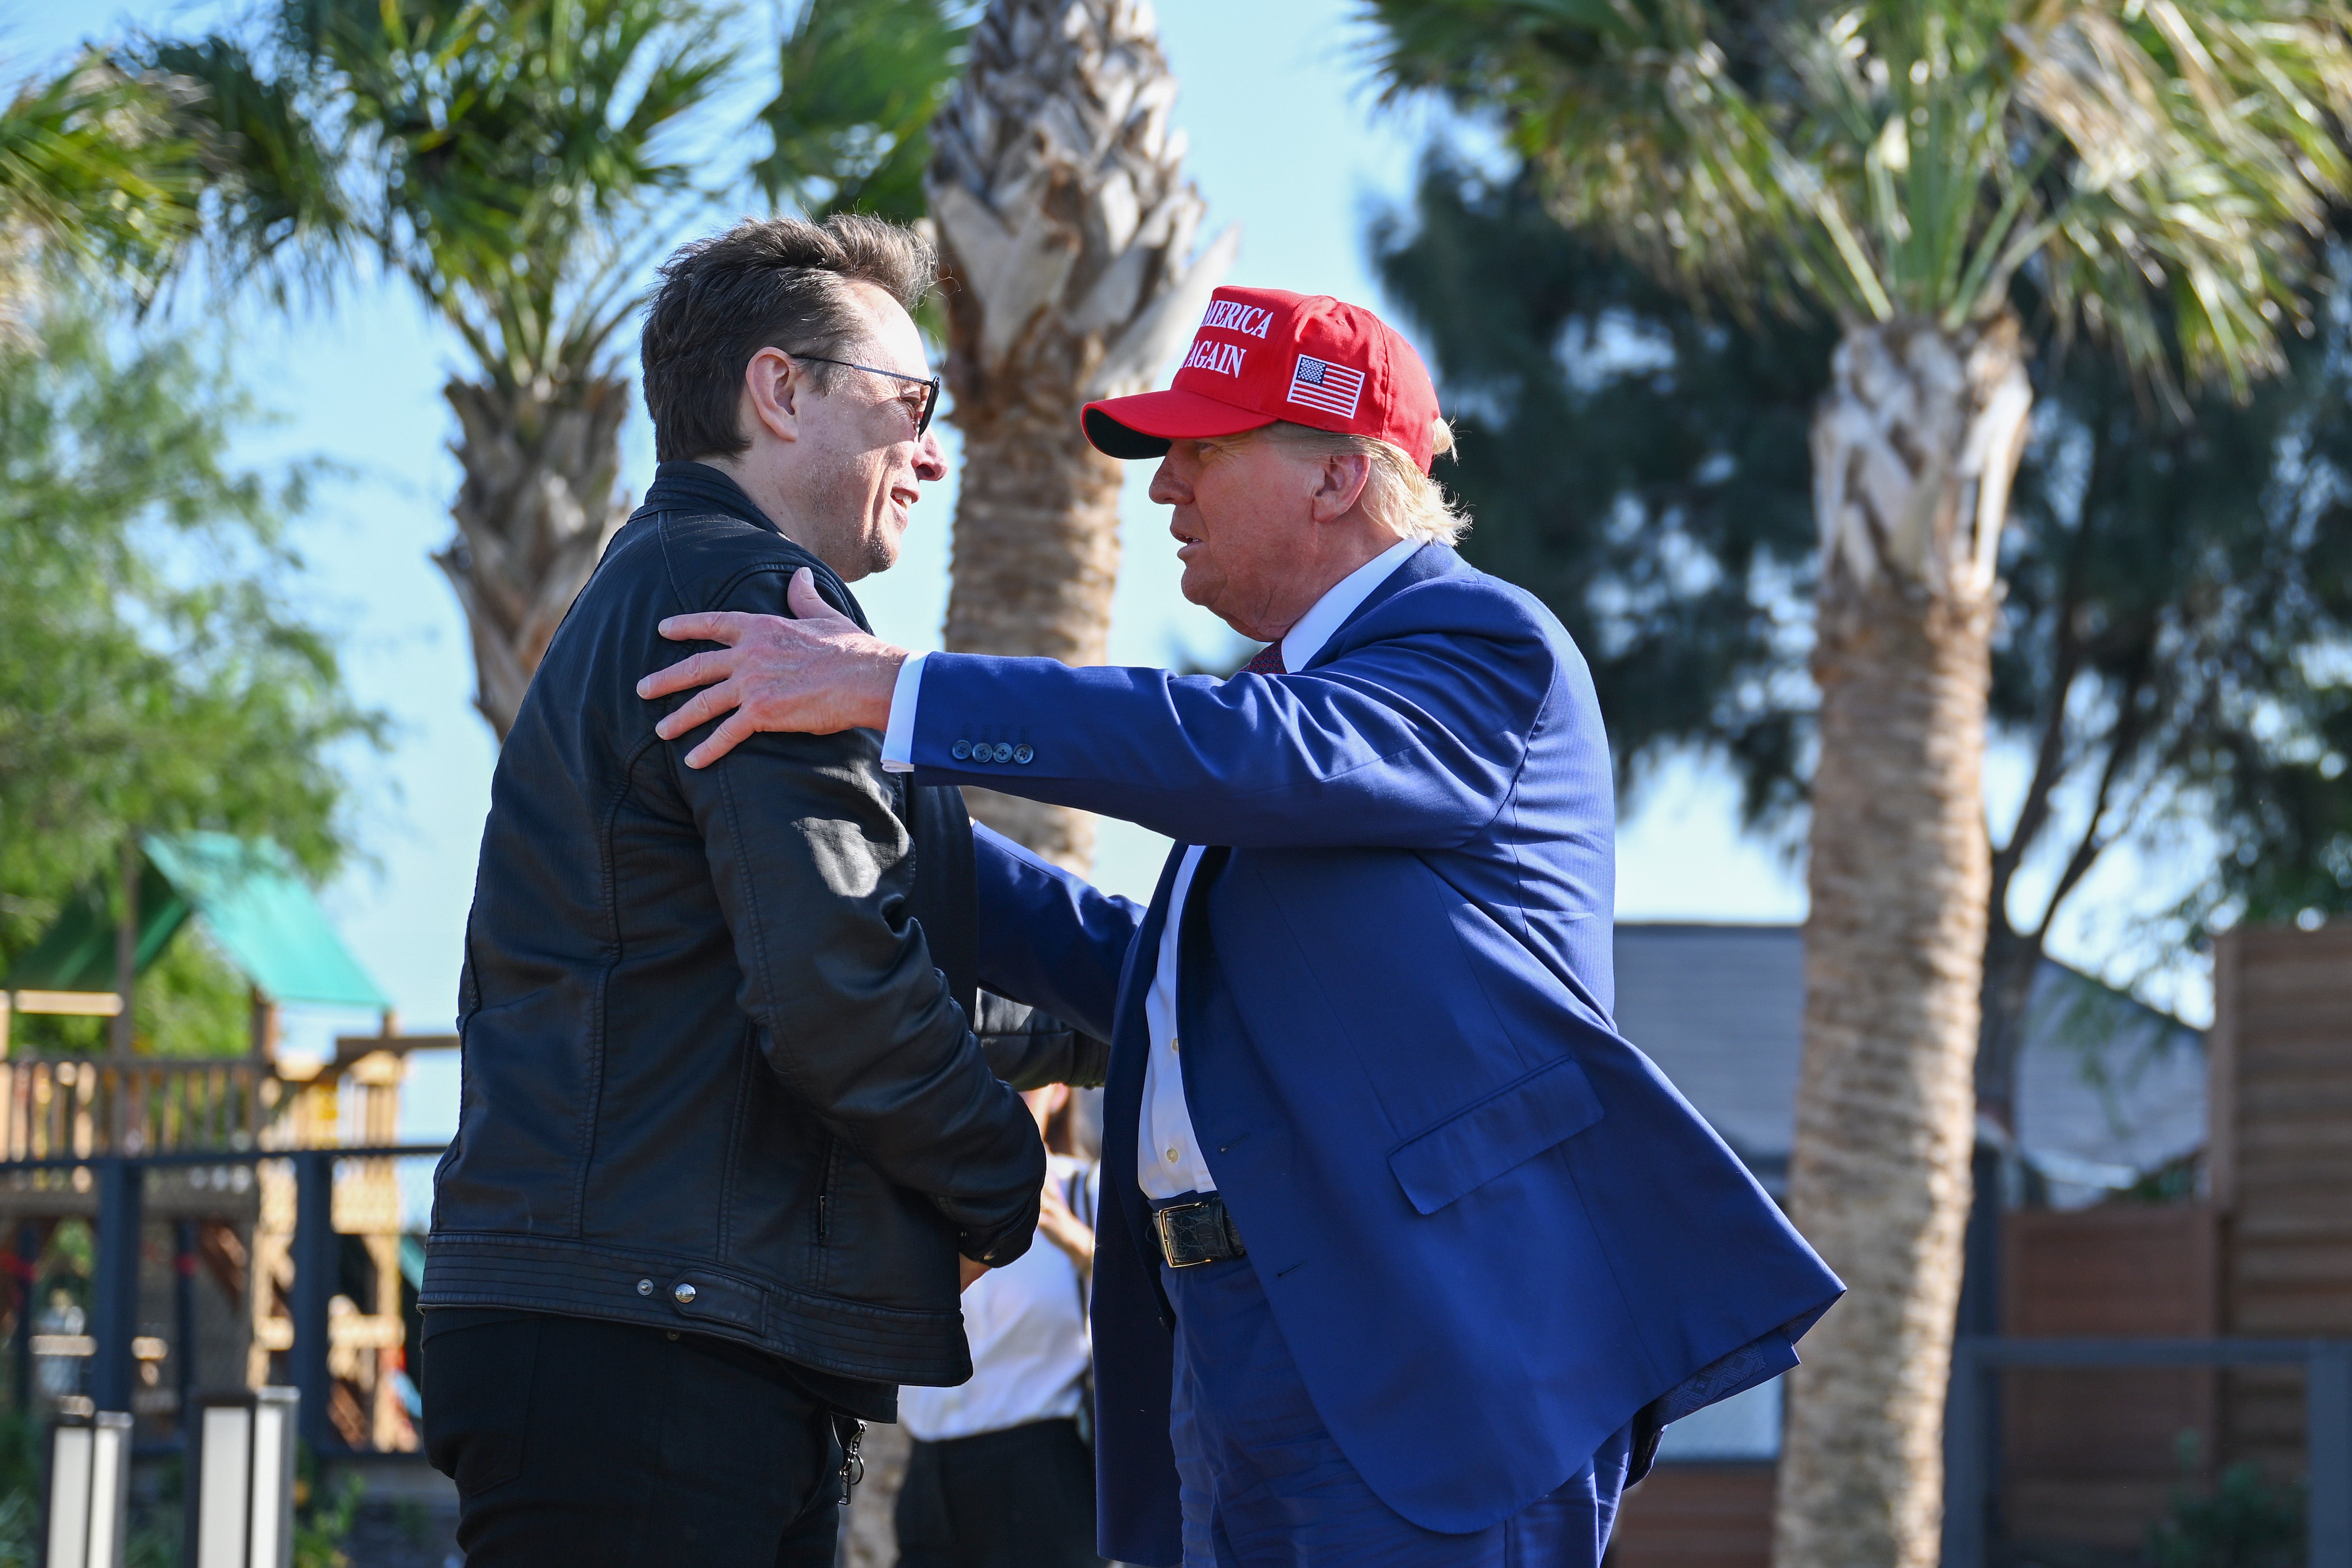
x=1169, y=1162
x=1027, y=1325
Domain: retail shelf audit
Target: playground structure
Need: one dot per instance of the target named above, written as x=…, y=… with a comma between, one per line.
x=268, y=1185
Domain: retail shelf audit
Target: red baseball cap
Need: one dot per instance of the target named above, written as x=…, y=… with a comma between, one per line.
x=1264, y=355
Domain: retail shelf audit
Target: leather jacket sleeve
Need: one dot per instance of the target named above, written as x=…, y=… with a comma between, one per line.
x=1029, y=1048
x=814, y=870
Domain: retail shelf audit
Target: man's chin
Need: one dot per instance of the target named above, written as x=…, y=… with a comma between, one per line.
x=881, y=554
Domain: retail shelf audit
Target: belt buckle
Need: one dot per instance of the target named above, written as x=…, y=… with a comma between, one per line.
x=1167, y=1242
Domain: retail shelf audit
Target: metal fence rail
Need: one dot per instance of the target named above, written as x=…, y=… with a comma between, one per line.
x=114, y=1288
x=1970, y=1468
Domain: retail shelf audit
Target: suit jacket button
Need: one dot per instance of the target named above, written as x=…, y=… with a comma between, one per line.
x=959, y=751
x=1021, y=754
x=1004, y=751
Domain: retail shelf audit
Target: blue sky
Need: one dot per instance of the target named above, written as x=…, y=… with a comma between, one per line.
x=1285, y=141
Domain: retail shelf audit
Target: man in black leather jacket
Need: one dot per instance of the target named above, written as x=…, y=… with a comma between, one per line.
x=728, y=1146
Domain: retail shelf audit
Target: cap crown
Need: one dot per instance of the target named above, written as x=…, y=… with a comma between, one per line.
x=1314, y=361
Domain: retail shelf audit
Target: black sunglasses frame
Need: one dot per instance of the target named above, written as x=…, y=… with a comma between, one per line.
x=930, y=403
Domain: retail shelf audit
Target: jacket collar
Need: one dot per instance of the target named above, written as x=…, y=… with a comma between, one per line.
x=699, y=487
x=1430, y=560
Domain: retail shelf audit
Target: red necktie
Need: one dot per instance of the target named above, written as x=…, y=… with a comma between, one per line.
x=1267, y=663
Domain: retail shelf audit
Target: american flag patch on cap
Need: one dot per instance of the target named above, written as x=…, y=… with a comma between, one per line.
x=1334, y=389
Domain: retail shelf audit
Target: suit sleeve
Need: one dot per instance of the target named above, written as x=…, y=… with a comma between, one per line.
x=814, y=870
x=1410, y=741
x=1029, y=1047
x=1049, y=939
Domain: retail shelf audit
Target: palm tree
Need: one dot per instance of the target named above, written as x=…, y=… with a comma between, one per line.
x=515, y=161
x=1932, y=174
x=94, y=176
x=1066, y=232
x=503, y=155
x=500, y=155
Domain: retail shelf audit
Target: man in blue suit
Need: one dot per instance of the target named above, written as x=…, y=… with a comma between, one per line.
x=1407, y=1257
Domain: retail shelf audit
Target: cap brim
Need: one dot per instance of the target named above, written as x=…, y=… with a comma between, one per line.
x=1143, y=425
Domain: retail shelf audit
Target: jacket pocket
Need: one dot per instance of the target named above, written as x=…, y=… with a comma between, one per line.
x=1500, y=1132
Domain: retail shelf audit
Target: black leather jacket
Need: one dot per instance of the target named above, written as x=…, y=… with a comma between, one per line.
x=716, y=1078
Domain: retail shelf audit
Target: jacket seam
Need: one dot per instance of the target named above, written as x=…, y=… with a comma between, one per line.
x=593, y=1106
x=726, y=1168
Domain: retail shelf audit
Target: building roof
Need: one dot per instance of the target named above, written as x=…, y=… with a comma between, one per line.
x=256, y=907
x=2108, y=1088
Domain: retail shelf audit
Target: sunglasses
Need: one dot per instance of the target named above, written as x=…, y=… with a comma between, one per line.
x=930, y=398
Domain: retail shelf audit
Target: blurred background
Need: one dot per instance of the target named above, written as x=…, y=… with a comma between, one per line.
x=318, y=381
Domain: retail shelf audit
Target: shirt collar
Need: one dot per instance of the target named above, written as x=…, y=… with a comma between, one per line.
x=1305, y=640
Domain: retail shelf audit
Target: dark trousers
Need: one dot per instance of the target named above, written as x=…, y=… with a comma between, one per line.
x=1022, y=1498
x=581, y=1444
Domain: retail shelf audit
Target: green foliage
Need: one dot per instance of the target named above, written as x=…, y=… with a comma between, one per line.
x=155, y=669
x=93, y=167
x=2243, y=1522
x=2156, y=169
x=2176, y=589
x=323, y=1514
x=1640, y=466
x=859, y=82
x=190, y=1002
x=503, y=153
x=517, y=159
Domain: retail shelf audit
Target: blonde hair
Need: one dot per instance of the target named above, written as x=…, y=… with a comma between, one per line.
x=1397, y=495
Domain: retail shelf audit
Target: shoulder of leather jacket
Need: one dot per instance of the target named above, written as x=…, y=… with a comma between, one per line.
x=710, y=556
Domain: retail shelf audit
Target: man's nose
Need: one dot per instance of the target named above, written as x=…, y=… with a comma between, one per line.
x=1167, y=489
x=930, y=463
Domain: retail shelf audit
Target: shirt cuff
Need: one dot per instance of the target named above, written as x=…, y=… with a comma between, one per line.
x=898, y=738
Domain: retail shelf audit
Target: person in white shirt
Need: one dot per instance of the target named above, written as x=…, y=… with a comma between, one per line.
x=1002, y=1474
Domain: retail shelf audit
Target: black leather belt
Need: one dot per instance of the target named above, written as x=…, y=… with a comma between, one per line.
x=1198, y=1231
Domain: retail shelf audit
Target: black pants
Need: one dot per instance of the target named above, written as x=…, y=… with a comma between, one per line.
x=581, y=1444
x=1017, y=1498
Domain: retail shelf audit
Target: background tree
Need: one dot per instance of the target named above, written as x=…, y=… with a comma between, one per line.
x=520, y=162
x=98, y=184
x=1068, y=236
x=2173, y=585
x=858, y=84
x=1913, y=170
x=505, y=157
x=155, y=669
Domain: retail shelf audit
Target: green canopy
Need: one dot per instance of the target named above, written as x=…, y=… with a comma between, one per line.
x=257, y=908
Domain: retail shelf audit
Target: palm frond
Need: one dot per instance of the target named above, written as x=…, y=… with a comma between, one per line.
x=510, y=139
x=276, y=211
x=859, y=81
x=2158, y=167
x=93, y=168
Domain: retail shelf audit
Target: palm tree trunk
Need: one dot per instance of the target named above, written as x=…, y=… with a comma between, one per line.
x=541, y=498
x=1914, y=449
x=1066, y=235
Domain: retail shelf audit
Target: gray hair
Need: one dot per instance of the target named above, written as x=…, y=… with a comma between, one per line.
x=1397, y=495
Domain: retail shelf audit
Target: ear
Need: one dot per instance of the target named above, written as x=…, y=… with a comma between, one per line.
x=773, y=384
x=1339, y=486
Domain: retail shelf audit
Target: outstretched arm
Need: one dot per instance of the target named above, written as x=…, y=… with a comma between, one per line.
x=1052, y=940
x=1409, y=741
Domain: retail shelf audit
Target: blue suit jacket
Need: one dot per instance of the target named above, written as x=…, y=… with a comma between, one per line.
x=1491, y=1230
